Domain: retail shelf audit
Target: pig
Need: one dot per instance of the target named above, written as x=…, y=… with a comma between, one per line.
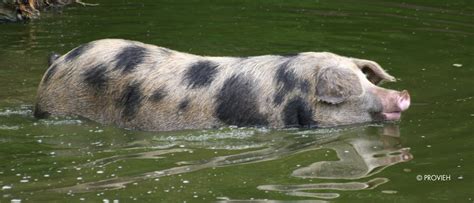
x=145, y=87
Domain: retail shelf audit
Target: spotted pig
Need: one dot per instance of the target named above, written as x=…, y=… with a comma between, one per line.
x=145, y=87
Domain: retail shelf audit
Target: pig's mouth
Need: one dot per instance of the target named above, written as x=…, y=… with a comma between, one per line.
x=392, y=116
x=402, y=102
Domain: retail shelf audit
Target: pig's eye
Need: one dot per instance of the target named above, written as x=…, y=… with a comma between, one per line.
x=371, y=76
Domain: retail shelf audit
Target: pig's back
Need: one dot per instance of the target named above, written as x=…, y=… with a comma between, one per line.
x=140, y=86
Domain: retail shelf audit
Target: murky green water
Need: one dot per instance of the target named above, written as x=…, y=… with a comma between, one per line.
x=428, y=45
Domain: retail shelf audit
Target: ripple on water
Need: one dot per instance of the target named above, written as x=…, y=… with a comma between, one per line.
x=389, y=191
x=23, y=111
x=26, y=111
x=233, y=134
x=5, y=127
x=225, y=139
x=296, y=190
x=61, y=122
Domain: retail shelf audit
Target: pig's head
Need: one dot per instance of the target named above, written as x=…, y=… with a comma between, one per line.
x=348, y=93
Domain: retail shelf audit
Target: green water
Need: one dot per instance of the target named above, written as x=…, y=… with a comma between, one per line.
x=428, y=45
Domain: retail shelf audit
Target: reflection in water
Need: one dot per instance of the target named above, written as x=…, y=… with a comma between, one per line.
x=327, y=186
x=360, y=156
x=295, y=190
x=227, y=200
x=280, y=147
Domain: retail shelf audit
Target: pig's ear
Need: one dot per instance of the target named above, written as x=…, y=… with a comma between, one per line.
x=375, y=74
x=334, y=85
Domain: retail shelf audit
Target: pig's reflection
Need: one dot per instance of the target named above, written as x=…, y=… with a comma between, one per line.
x=360, y=156
x=362, y=153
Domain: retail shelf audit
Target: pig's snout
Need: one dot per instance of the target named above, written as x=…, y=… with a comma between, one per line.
x=403, y=100
x=393, y=103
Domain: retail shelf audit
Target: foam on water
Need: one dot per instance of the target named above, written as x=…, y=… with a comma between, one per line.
x=5, y=127
x=232, y=134
x=22, y=111
x=61, y=122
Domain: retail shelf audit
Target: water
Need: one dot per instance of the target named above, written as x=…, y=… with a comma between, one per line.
x=428, y=45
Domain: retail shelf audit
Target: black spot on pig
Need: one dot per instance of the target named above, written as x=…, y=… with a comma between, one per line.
x=286, y=81
x=39, y=113
x=298, y=113
x=376, y=116
x=49, y=73
x=305, y=86
x=237, y=103
x=158, y=94
x=130, y=57
x=183, y=105
x=130, y=101
x=200, y=74
x=285, y=76
x=279, y=97
x=96, y=77
x=75, y=53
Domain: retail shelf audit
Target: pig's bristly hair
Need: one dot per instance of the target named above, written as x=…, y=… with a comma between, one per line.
x=141, y=86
